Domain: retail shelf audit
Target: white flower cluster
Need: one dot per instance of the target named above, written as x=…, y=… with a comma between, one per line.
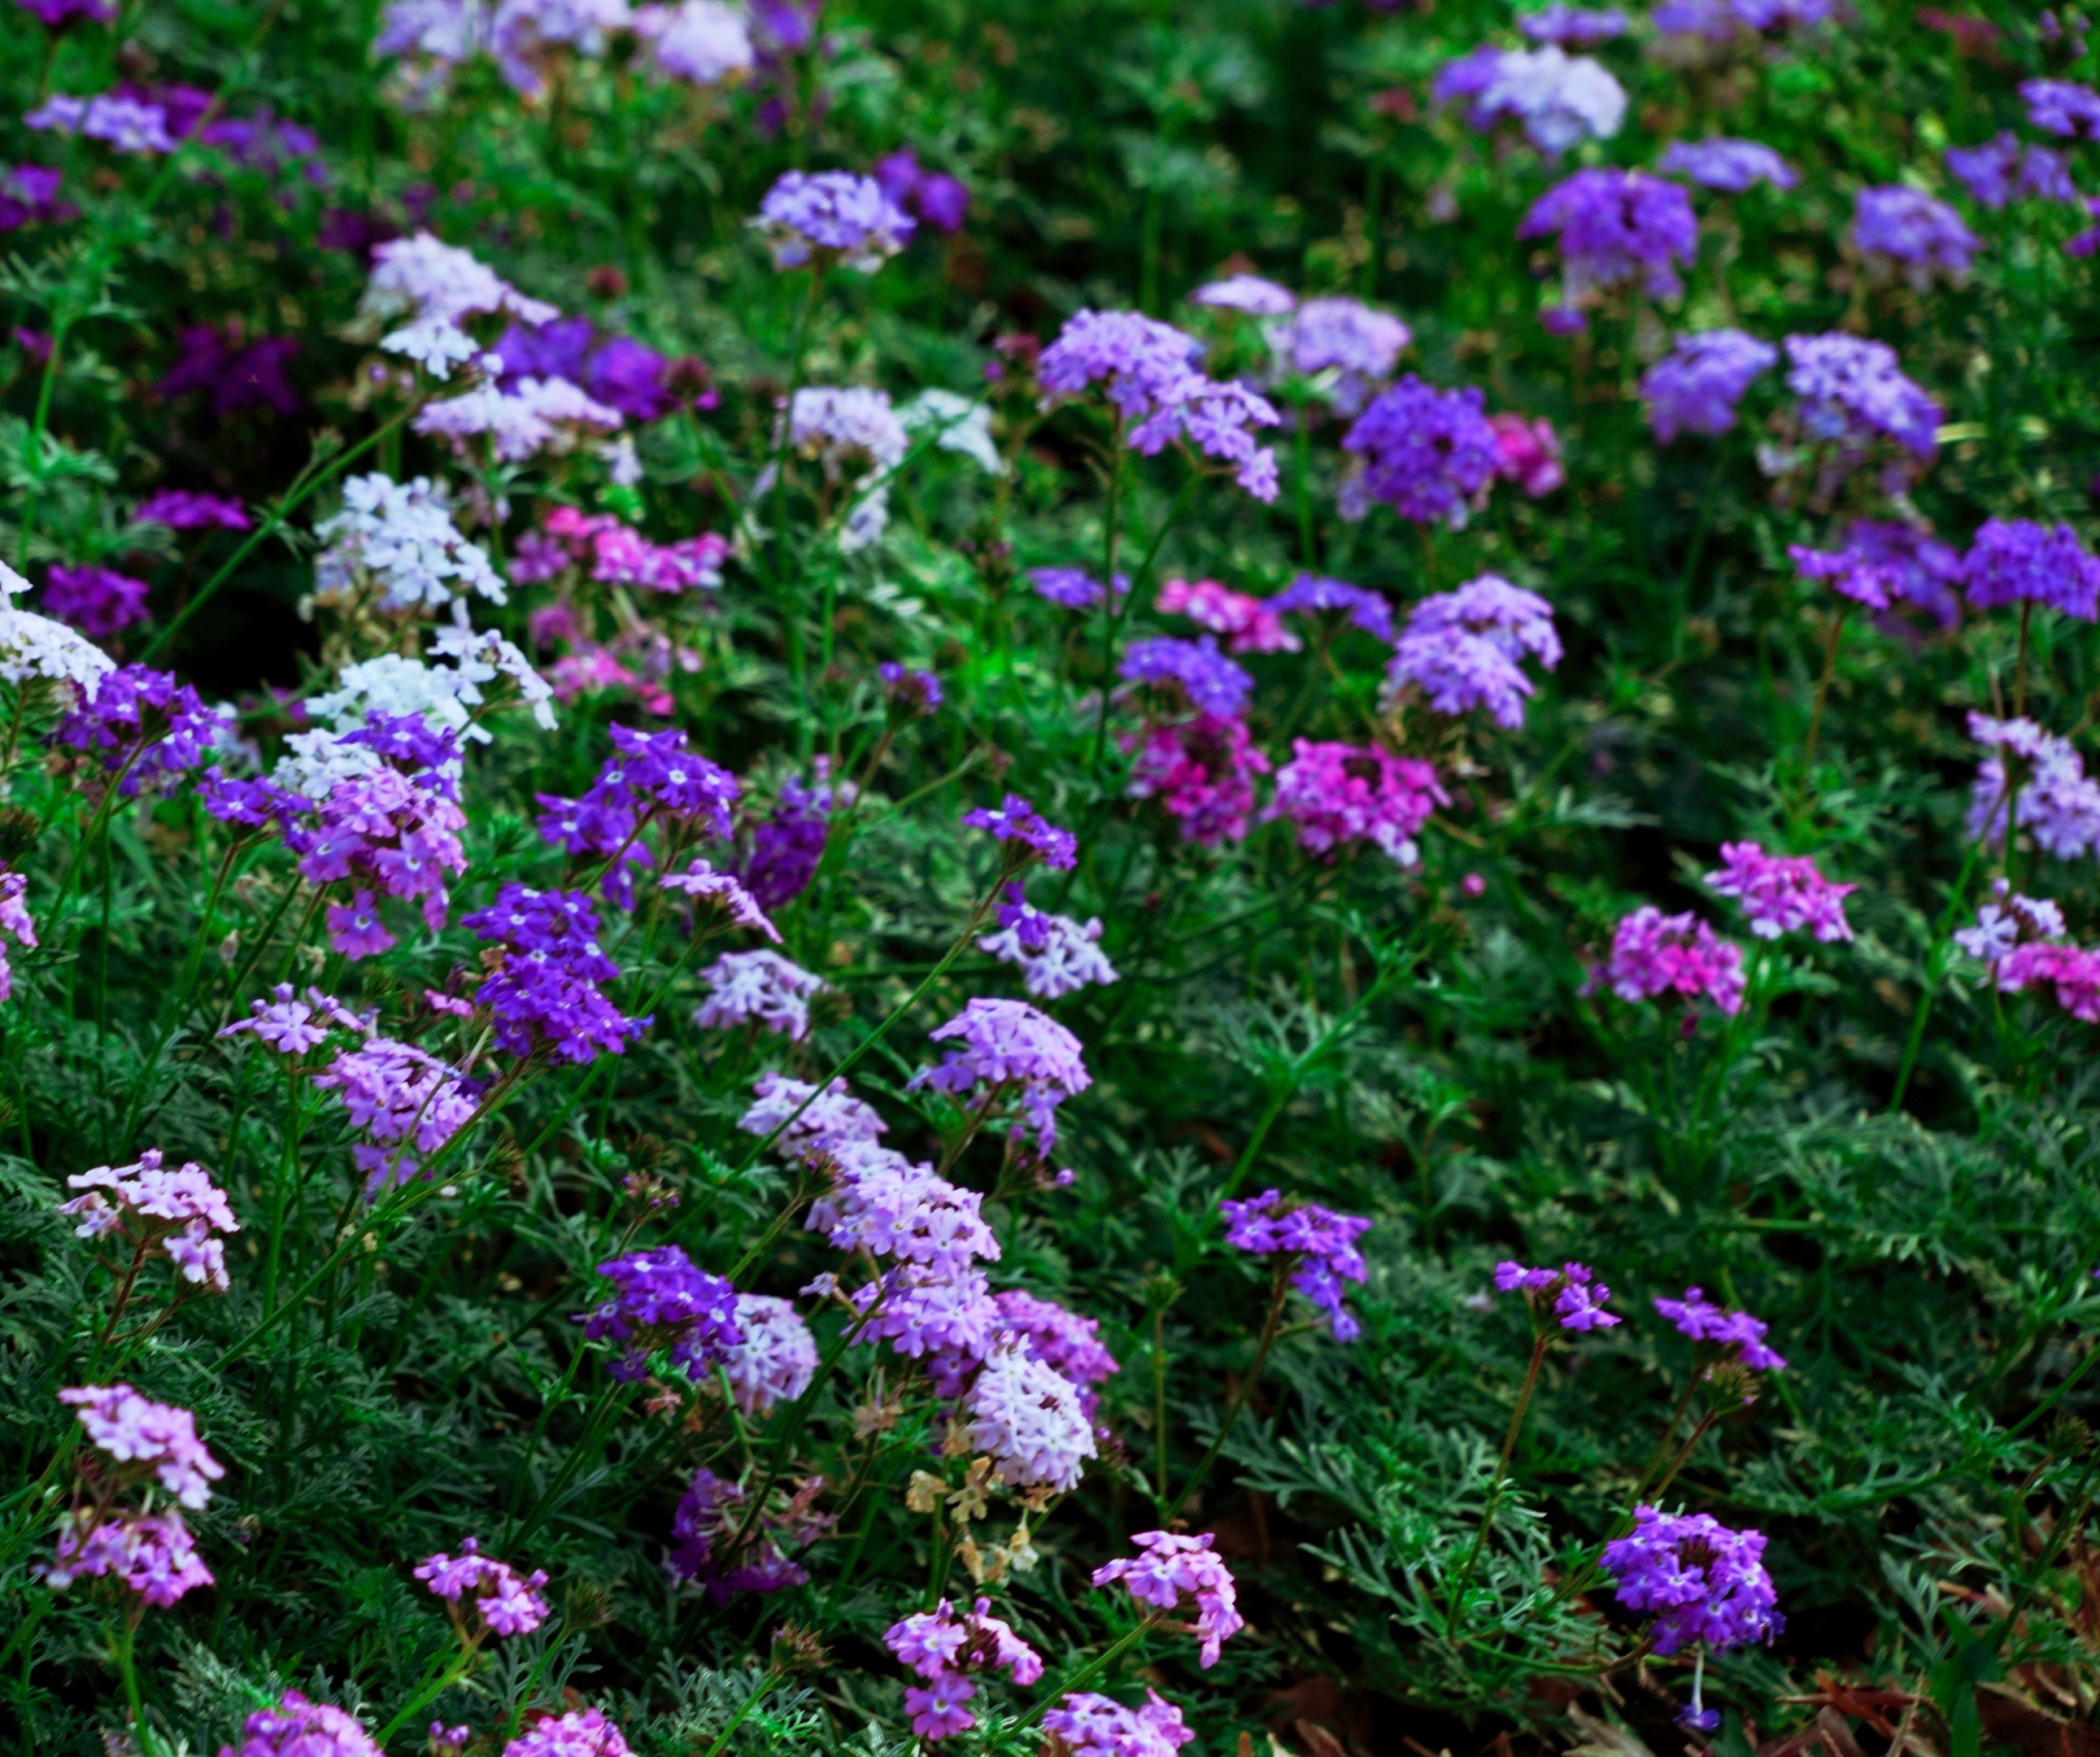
x=540, y=415
x=435, y=285
x=34, y=646
x=965, y=427
x=402, y=534
x=702, y=41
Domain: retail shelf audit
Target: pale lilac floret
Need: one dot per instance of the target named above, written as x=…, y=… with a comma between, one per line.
x=831, y=217
x=1780, y=894
x=1729, y=166
x=1008, y=1048
x=125, y=123
x=1174, y=1571
x=1430, y=454
x=723, y=892
x=292, y=1023
x=1616, y=228
x=1056, y=954
x=1089, y=1724
x=2058, y=804
x=828, y=1119
x=408, y=1100
x=1695, y=387
x=2009, y=921
x=1700, y=1319
x=157, y=1440
x=1025, y=831
x=1653, y=955
x=2001, y=171
x=509, y=1602
x=776, y=1358
x=170, y=1210
x=1030, y=1420
x=940, y=1647
x=1320, y=1244
x=1851, y=392
x=2015, y=561
x=1573, y=27
x=1310, y=595
x=881, y=1203
x=1701, y=1581
x=1345, y=336
x=1213, y=684
x=1246, y=293
x=1337, y=793
x=1914, y=233
x=1062, y=1341
x=1559, y=100
x=1463, y=649
x=758, y=988
x=1571, y=1293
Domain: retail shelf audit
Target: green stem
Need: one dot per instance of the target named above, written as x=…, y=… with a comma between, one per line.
x=1241, y=1393
x=1093, y=1668
x=765, y=1686
x=1539, y=1348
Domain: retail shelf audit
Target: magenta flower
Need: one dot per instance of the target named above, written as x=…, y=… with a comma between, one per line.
x=1654, y=954
x=1336, y=794
x=580, y=1732
x=1247, y=624
x=1089, y=1724
x=941, y=1647
x=1202, y=771
x=1780, y=894
x=147, y=1439
x=298, y=1728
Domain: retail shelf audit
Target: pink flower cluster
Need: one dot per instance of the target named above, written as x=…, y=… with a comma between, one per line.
x=510, y=1602
x=1654, y=954
x=15, y=924
x=580, y=1732
x=159, y=1210
x=617, y=554
x=151, y=1554
x=1247, y=624
x=1202, y=771
x=941, y=1647
x=1176, y=1572
x=1089, y=1724
x=1782, y=894
x=1577, y=1298
x=2071, y=972
x=407, y=1100
x=1340, y=793
x=298, y=1728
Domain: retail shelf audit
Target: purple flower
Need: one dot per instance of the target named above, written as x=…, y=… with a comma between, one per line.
x=1571, y=1292
x=1852, y=393
x=1701, y=1581
x=1321, y=1244
x=510, y=1602
x=941, y=1647
x=831, y=217
x=142, y=726
x=1568, y=27
x=404, y=1097
x=1175, y=1571
x=1697, y=1317
x=546, y=992
x=100, y=601
x=58, y=14
x=913, y=694
x=1560, y=100
x=1072, y=588
x=1905, y=229
x=1920, y=570
x=1030, y=1419
x=1069, y=1344
x=2016, y=561
x=787, y=849
x=2062, y=107
x=29, y=196
x=1089, y=1724
x=705, y=1526
x=150, y=1554
x=179, y=509
x=2009, y=921
x=296, y=1727
x=1697, y=385
x=1362, y=609
x=662, y=1302
x=1781, y=894
x=758, y=988
x=1058, y=956
x=1616, y=227
x=1654, y=954
x=2001, y=171
x=2059, y=804
x=1337, y=793
x=776, y=1360
x=147, y=1439
x=1014, y=1053
x=581, y=1733
x=650, y=775
x=113, y=118
x=1246, y=293
x=936, y=197
x=1212, y=683
x=1202, y=771
x=248, y=375
x=1426, y=452
x=1462, y=649
x=617, y=371
x=1017, y=821
x=159, y=1210
x=1345, y=336
x=1730, y=165
x=1847, y=572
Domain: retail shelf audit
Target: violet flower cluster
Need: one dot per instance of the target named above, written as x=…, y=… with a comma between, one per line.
x=296, y=1726
x=1429, y=454
x=1653, y=955
x=1559, y=100
x=1697, y=386
x=776, y=1358
x=149, y=1553
x=1698, y=1317
x=652, y=778
x=1905, y=232
x=788, y=846
x=2001, y=171
x=1852, y=396
x=1319, y=1244
x=831, y=217
x=141, y=726
x=1572, y=1294
x=2057, y=802
x=1730, y=167
x=1173, y=1571
x=159, y=1210
x=1701, y=1581
x=662, y=1303
x=1057, y=955
x=1025, y=833
x=709, y=1521
x=1310, y=595
x=1464, y=650
x=1014, y=1055
x=1211, y=683
x=942, y=1648
x=759, y=988
x=547, y=991
x=509, y=1602
x=2015, y=561
x=1087, y=1723
x=1614, y=228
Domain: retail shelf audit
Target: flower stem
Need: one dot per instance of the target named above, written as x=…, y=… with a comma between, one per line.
x=765, y=1686
x=1538, y=1349
x=1093, y=1668
x=1241, y=1393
